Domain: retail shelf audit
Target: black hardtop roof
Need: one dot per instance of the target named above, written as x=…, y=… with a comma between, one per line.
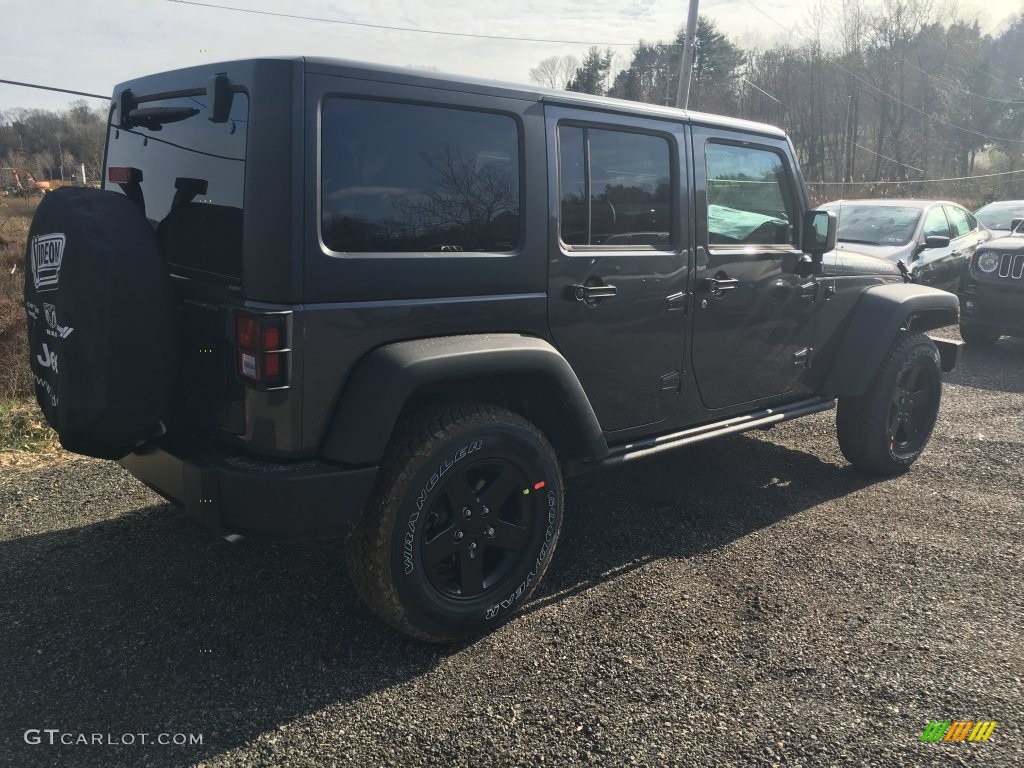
x=430, y=79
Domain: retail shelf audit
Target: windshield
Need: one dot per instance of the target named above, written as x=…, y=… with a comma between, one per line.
x=999, y=215
x=876, y=224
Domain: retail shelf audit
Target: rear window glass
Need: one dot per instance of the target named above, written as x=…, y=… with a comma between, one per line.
x=193, y=174
x=413, y=178
x=615, y=188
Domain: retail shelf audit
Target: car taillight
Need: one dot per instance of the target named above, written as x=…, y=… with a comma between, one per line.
x=261, y=350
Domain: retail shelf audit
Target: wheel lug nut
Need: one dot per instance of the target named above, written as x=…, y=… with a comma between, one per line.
x=467, y=512
x=472, y=545
x=484, y=511
x=459, y=535
x=489, y=532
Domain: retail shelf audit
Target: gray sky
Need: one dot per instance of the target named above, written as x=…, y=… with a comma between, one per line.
x=90, y=45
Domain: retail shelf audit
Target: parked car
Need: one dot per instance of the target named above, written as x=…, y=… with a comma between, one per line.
x=933, y=238
x=323, y=298
x=997, y=216
x=992, y=290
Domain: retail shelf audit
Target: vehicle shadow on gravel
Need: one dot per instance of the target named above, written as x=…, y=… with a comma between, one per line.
x=144, y=623
x=684, y=504
x=999, y=368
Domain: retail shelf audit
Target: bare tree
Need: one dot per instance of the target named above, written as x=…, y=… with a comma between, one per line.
x=554, y=71
x=464, y=196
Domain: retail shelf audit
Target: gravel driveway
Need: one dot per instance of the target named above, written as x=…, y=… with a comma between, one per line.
x=746, y=602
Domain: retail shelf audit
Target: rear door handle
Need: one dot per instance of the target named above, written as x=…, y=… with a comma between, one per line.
x=591, y=292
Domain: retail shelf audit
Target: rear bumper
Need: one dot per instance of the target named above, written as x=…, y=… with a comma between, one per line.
x=230, y=493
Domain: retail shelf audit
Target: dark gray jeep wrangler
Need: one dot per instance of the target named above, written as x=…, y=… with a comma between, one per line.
x=318, y=298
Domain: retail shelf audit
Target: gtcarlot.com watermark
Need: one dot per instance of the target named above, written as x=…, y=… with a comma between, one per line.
x=55, y=736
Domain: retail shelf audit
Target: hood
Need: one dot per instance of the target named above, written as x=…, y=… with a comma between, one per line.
x=891, y=253
x=844, y=262
x=1008, y=243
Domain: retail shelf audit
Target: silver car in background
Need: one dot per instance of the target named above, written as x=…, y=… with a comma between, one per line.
x=933, y=238
x=998, y=216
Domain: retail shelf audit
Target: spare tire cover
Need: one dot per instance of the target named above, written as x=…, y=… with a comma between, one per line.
x=100, y=321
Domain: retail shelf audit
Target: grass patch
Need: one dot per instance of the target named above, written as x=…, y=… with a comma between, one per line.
x=23, y=428
x=15, y=375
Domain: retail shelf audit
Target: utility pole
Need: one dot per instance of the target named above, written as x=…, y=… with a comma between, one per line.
x=686, y=60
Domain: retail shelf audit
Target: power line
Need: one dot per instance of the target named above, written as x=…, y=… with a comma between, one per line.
x=762, y=90
x=886, y=157
x=960, y=88
x=918, y=181
x=849, y=141
x=59, y=90
x=417, y=30
x=894, y=98
x=989, y=64
x=922, y=112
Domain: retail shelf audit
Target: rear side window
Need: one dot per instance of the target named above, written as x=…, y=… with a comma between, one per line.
x=412, y=178
x=750, y=198
x=614, y=188
x=960, y=224
x=193, y=176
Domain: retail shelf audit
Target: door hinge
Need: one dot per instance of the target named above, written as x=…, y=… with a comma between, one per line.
x=677, y=302
x=670, y=381
x=803, y=357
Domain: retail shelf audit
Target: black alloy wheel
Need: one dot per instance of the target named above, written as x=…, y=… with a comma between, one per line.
x=479, y=525
x=910, y=413
x=463, y=523
x=884, y=430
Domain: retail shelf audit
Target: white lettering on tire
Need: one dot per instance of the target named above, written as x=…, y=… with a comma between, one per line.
x=408, y=560
x=508, y=602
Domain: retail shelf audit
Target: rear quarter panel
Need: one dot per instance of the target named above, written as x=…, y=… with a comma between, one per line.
x=354, y=302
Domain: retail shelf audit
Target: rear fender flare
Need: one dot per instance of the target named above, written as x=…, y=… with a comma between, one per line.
x=386, y=378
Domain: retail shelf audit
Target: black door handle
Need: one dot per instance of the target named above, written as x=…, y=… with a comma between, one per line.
x=591, y=292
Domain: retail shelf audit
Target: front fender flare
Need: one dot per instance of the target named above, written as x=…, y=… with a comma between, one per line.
x=880, y=313
x=384, y=380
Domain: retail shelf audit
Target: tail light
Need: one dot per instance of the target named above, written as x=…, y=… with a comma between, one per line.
x=261, y=349
x=124, y=175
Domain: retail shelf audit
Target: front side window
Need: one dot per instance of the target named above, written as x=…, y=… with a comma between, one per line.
x=411, y=178
x=615, y=188
x=958, y=221
x=749, y=197
x=935, y=223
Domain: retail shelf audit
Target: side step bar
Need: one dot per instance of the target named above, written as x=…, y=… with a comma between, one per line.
x=620, y=454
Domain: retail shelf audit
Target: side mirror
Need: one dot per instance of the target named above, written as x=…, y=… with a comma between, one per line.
x=1015, y=224
x=819, y=233
x=936, y=241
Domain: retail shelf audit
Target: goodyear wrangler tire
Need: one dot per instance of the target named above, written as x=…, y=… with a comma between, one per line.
x=463, y=524
x=884, y=430
x=100, y=323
